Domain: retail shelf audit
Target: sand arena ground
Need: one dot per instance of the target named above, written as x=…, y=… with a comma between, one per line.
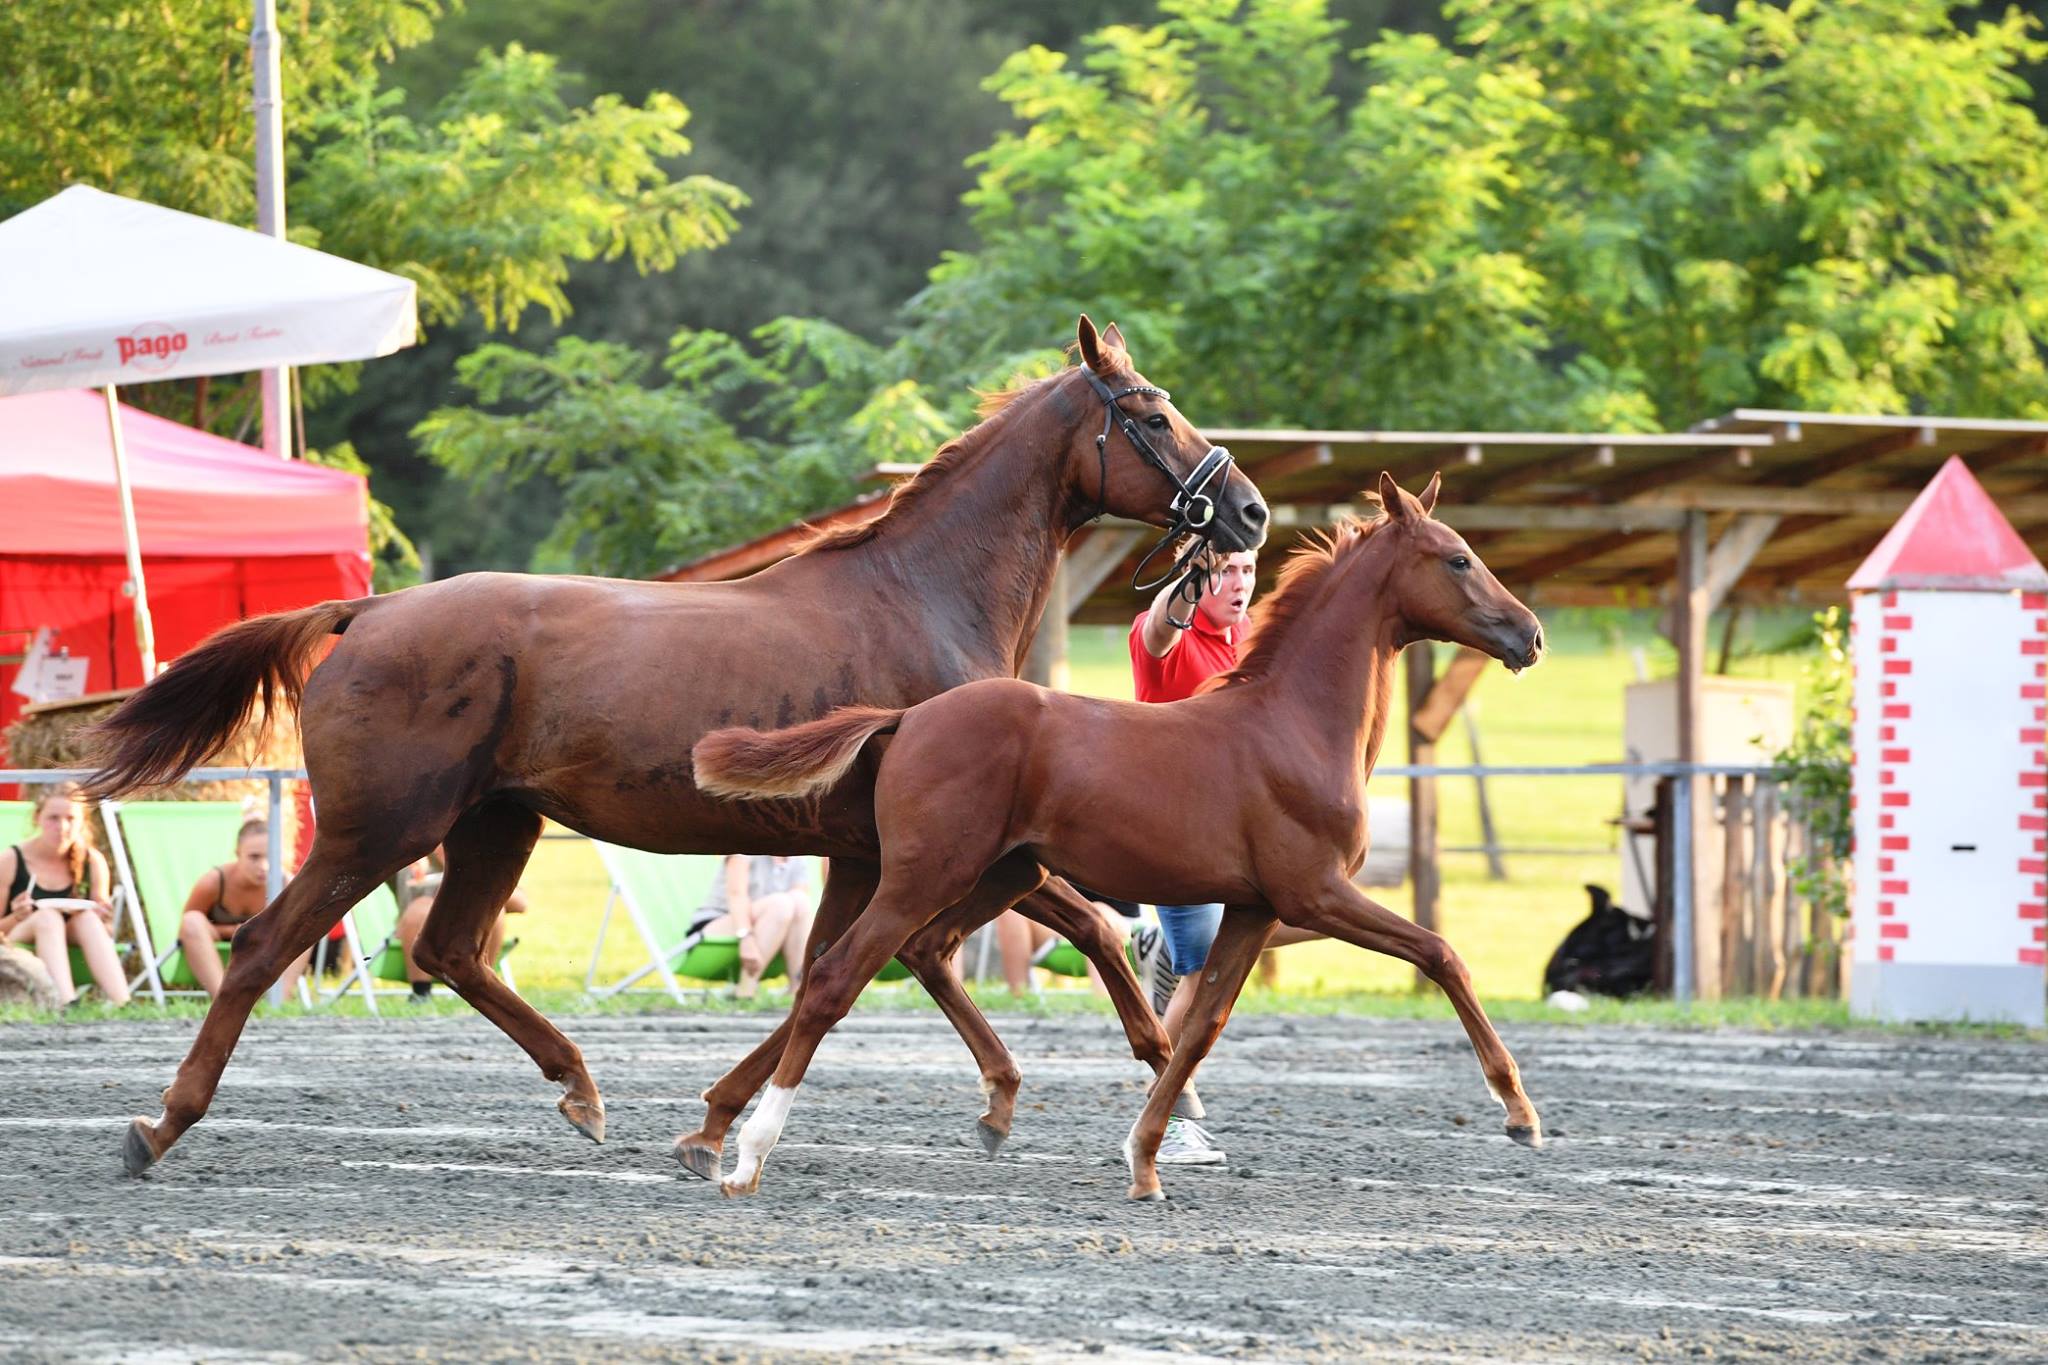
x=402, y=1189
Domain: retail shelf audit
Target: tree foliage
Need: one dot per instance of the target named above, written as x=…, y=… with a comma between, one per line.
x=488, y=199
x=1628, y=214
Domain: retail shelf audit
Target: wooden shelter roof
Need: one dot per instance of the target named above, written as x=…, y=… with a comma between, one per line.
x=1577, y=517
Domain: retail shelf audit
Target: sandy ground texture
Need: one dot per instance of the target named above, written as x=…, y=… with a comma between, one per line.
x=402, y=1189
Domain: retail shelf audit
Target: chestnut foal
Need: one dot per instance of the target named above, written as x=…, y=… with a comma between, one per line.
x=1251, y=793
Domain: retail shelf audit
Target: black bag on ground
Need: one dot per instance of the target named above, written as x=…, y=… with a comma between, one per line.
x=1610, y=952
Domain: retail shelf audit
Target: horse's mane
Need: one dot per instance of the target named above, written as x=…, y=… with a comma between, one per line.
x=1309, y=565
x=962, y=448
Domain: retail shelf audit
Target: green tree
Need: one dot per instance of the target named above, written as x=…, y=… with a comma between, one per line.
x=1635, y=213
x=656, y=472
x=488, y=198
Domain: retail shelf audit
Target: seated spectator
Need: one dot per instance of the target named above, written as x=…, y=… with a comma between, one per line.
x=423, y=884
x=57, y=896
x=767, y=904
x=223, y=900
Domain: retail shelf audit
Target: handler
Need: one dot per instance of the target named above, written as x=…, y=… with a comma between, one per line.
x=1176, y=648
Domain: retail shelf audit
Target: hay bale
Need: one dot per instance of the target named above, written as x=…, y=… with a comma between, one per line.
x=51, y=736
x=25, y=981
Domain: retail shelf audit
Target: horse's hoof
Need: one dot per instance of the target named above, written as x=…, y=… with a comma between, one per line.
x=698, y=1158
x=1189, y=1106
x=138, y=1153
x=734, y=1189
x=1529, y=1135
x=991, y=1137
x=1155, y=1195
x=585, y=1116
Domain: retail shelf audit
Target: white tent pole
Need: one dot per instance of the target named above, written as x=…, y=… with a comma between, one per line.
x=145, y=629
x=264, y=45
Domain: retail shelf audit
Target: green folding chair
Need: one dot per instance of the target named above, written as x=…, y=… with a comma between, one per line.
x=14, y=827
x=376, y=924
x=161, y=850
x=660, y=894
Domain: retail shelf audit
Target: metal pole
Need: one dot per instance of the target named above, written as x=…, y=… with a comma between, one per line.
x=1681, y=891
x=145, y=629
x=264, y=45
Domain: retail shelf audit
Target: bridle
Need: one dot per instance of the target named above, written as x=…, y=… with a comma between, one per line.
x=1192, y=506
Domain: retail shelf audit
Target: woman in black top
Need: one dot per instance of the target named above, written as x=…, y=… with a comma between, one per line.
x=58, y=864
x=223, y=900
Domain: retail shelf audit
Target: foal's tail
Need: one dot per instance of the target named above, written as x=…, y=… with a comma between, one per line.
x=197, y=704
x=799, y=761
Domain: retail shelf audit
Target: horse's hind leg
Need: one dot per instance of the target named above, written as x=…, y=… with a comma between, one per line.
x=486, y=850
x=848, y=884
x=838, y=977
x=333, y=879
x=1231, y=957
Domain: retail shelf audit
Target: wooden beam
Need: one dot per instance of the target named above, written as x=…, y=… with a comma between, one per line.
x=1093, y=560
x=1876, y=504
x=1541, y=470
x=1727, y=562
x=1848, y=457
x=1298, y=460
x=1691, y=465
x=1532, y=571
x=1497, y=516
x=1045, y=663
x=1447, y=694
x=1690, y=598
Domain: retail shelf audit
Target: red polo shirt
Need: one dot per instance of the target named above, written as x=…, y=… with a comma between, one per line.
x=1202, y=653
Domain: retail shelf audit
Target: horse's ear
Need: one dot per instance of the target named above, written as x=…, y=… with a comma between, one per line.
x=1428, y=495
x=1392, y=498
x=1091, y=345
x=1114, y=335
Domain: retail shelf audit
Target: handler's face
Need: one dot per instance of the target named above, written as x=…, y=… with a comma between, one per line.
x=1227, y=599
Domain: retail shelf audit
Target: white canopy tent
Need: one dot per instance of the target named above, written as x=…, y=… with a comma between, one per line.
x=102, y=290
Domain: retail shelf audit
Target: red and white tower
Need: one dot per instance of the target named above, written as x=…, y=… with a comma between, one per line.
x=1950, y=778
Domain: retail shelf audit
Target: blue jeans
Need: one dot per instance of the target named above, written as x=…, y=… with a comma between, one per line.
x=1189, y=930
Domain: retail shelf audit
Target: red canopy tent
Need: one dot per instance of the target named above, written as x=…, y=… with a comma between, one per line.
x=227, y=531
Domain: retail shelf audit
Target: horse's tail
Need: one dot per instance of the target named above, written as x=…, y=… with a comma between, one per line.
x=799, y=761
x=202, y=699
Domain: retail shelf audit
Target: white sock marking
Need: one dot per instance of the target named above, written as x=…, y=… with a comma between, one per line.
x=759, y=1133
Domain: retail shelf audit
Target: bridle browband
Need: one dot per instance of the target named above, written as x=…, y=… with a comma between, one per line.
x=1192, y=506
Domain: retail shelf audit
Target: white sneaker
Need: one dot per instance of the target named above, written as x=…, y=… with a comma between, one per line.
x=1186, y=1144
x=1156, y=976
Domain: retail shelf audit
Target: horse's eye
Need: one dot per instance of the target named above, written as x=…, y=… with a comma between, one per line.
x=1460, y=563
x=1157, y=421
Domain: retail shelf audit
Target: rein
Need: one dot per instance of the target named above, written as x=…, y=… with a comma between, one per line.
x=1192, y=506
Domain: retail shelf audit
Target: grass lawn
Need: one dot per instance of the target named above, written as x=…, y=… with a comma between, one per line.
x=1566, y=711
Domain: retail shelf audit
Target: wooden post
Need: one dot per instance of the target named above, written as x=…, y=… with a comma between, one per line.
x=1489, y=838
x=1736, y=976
x=1423, y=873
x=1768, y=933
x=1689, y=602
x=1664, y=973
x=1046, y=663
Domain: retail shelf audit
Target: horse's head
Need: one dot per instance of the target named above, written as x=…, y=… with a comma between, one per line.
x=1134, y=455
x=1442, y=590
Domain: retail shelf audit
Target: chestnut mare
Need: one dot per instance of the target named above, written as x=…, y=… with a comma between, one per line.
x=462, y=712
x=1251, y=793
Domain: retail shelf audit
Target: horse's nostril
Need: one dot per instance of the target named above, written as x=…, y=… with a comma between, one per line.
x=1256, y=513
